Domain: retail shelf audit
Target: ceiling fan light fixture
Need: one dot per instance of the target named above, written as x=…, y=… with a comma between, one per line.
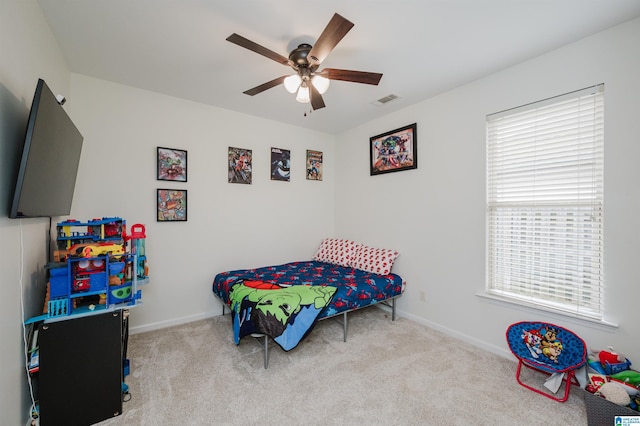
x=305, y=61
x=292, y=83
x=303, y=95
x=320, y=83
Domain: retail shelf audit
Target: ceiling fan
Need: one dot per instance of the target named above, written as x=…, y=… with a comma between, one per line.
x=308, y=82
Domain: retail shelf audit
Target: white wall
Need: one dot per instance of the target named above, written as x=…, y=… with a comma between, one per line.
x=229, y=226
x=435, y=215
x=28, y=52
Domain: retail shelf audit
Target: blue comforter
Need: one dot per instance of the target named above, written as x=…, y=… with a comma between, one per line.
x=354, y=289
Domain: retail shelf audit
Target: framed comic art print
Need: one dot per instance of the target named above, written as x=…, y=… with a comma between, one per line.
x=172, y=164
x=171, y=205
x=394, y=151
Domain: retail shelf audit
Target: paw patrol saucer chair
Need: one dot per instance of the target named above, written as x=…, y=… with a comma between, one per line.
x=547, y=348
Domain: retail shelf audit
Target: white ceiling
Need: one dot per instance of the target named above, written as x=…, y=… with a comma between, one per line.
x=423, y=47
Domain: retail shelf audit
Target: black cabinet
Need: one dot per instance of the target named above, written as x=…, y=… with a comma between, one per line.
x=81, y=362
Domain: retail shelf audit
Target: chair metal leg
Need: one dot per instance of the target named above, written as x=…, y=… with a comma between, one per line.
x=569, y=381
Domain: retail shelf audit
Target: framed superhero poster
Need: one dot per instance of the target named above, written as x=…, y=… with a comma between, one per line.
x=314, y=165
x=172, y=205
x=172, y=164
x=394, y=151
x=280, y=164
x=239, y=163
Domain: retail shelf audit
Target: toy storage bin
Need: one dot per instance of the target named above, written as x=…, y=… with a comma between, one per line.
x=601, y=412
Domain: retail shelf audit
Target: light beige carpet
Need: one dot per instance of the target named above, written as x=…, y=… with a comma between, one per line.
x=387, y=373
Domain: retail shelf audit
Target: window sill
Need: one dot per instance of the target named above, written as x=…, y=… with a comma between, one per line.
x=534, y=309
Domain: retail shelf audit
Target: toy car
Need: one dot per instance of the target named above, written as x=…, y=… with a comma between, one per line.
x=93, y=250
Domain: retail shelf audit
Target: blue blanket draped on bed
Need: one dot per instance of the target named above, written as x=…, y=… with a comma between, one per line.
x=283, y=312
x=356, y=288
x=341, y=289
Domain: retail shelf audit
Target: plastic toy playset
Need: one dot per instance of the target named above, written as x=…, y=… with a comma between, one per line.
x=98, y=266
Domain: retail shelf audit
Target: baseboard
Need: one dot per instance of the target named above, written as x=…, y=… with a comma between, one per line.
x=170, y=323
x=505, y=353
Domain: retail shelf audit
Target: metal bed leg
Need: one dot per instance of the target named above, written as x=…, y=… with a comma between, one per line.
x=266, y=351
x=265, y=347
x=393, y=309
x=344, y=324
x=266, y=343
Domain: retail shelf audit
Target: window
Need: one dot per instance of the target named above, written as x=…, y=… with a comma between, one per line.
x=545, y=203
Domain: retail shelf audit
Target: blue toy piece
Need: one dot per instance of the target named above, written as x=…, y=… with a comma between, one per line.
x=119, y=294
x=597, y=367
x=617, y=367
x=548, y=348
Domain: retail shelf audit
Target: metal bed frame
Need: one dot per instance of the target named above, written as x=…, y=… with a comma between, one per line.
x=391, y=302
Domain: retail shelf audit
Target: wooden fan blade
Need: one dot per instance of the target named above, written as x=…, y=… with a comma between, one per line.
x=255, y=47
x=352, y=76
x=316, y=98
x=335, y=30
x=265, y=86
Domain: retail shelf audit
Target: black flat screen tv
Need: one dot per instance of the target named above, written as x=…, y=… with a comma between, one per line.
x=50, y=157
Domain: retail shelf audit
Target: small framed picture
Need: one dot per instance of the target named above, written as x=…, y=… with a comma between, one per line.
x=172, y=205
x=280, y=164
x=172, y=164
x=314, y=165
x=394, y=151
x=239, y=163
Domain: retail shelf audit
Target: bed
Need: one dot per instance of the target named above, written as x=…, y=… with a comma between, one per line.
x=283, y=302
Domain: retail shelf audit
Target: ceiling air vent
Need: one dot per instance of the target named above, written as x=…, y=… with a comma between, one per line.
x=385, y=99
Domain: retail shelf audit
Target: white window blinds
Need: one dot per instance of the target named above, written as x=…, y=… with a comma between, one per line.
x=545, y=203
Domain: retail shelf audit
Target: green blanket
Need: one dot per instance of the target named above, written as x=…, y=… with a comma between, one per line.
x=285, y=313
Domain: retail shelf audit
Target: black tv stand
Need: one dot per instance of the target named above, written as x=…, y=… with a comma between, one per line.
x=81, y=368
